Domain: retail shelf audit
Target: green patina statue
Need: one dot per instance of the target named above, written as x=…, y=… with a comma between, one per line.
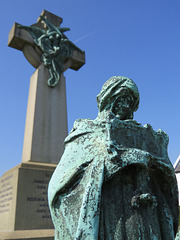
x=114, y=180
x=55, y=47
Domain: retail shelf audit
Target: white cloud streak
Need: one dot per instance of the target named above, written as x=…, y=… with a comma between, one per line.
x=85, y=36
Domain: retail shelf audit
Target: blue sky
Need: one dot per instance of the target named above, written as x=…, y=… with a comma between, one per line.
x=139, y=39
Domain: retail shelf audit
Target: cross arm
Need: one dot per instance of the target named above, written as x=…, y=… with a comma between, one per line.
x=76, y=61
x=46, y=43
x=22, y=40
x=18, y=38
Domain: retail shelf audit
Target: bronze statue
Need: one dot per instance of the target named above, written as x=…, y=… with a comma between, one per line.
x=114, y=180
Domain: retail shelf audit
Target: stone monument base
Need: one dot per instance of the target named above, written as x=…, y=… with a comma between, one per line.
x=42, y=234
x=24, y=211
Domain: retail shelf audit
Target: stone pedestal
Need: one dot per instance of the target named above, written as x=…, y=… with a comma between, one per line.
x=23, y=202
x=44, y=234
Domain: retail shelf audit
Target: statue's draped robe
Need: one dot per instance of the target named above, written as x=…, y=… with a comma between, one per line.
x=106, y=166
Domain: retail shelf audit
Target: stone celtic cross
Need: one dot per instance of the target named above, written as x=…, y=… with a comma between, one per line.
x=48, y=50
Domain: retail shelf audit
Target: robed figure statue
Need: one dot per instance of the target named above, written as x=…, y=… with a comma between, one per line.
x=114, y=180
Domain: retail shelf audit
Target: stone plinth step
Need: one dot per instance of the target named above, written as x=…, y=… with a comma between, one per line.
x=44, y=234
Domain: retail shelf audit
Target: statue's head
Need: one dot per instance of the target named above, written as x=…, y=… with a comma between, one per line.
x=119, y=95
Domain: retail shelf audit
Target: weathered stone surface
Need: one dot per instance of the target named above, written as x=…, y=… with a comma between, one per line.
x=46, y=120
x=114, y=180
x=23, y=197
x=24, y=212
x=45, y=234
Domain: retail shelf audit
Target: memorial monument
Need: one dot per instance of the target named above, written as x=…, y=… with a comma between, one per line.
x=114, y=180
x=24, y=212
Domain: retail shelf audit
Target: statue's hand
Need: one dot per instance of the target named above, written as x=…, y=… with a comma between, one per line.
x=142, y=200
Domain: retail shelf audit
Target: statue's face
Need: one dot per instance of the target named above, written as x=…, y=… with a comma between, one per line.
x=122, y=106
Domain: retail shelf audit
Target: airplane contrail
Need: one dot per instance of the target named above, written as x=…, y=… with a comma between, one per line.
x=85, y=36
